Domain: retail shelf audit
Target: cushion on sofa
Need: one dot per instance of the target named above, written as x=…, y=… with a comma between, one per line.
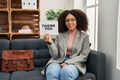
x=4, y=44
x=4, y=75
x=41, y=57
x=27, y=75
x=87, y=76
x=35, y=44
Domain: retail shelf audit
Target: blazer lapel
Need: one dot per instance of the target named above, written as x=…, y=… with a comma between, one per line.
x=76, y=42
x=65, y=41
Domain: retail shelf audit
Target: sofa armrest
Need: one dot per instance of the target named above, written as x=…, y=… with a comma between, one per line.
x=96, y=64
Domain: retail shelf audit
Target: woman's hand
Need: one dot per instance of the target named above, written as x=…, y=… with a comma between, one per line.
x=47, y=38
x=63, y=65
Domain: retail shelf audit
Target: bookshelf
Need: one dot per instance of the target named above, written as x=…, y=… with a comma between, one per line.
x=13, y=17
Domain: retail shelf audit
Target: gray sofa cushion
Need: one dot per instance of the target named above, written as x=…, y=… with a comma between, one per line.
x=4, y=44
x=27, y=75
x=35, y=44
x=41, y=57
x=87, y=76
x=4, y=75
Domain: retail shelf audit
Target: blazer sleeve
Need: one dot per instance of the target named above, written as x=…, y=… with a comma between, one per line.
x=83, y=54
x=53, y=50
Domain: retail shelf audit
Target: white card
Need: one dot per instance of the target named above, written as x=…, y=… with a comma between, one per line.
x=49, y=27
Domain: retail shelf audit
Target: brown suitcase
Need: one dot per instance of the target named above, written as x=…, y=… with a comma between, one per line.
x=13, y=60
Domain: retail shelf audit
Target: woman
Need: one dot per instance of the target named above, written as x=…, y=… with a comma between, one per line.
x=70, y=50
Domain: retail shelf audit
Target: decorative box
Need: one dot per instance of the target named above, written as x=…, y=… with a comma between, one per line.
x=29, y=4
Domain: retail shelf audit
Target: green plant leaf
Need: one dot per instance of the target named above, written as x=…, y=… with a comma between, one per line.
x=53, y=15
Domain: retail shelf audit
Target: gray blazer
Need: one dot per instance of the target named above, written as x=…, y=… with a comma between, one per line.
x=80, y=50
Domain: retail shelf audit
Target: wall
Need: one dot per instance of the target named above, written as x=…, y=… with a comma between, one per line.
x=79, y=4
x=107, y=35
x=58, y=4
x=45, y=5
x=118, y=39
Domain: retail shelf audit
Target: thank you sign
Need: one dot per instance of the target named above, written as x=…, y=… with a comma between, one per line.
x=49, y=27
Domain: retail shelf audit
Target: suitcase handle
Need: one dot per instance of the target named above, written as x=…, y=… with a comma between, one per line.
x=18, y=52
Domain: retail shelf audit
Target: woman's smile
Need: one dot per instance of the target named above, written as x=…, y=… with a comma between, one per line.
x=71, y=22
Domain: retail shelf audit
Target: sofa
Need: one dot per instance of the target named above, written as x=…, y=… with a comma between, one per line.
x=96, y=62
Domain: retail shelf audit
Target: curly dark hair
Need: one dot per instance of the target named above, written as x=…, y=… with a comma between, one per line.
x=81, y=18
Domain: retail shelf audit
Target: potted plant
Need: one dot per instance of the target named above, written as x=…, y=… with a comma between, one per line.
x=52, y=15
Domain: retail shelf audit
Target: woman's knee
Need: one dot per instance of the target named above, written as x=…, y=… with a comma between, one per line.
x=53, y=68
x=69, y=71
x=66, y=70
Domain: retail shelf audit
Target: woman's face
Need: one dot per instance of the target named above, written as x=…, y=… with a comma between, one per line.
x=71, y=22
